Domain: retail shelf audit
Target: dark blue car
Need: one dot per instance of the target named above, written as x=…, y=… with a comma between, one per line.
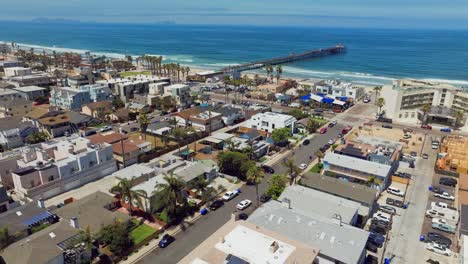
x=446, y=129
x=166, y=240
x=376, y=238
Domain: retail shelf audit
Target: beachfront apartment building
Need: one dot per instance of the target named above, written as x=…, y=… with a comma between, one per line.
x=405, y=98
x=363, y=159
x=13, y=104
x=180, y=93
x=270, y=121
x=17, y=71
x=341, y=90
x=75, y=98
x=44, y=170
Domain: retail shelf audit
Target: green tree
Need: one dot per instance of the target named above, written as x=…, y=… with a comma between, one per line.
x=5, y=238
x=292, y=169
x=425, y=109
x=312, y=125
x=280, y=136
x=179, y=134
x=117, y=103
x=380, y=104
x=276, y=185
x=117, y=237
x=279, y=71
x=143, y=120
x=319, y=154
x=37, y=137
x=124, y=190
x=298, y=114
x=202, y=186
x=234, y=163
x=255, y=176
x=377, y=90
x=169, y=195
x=459, y=115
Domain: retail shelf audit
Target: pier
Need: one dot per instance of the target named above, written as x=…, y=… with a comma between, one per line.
x=286, y=59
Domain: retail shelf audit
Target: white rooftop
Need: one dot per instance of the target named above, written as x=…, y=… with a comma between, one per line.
x=176, y=86
x=135, y=170
x=356, y=164
x=31, y=88
x=271, y=115
x=254, y=247
x=149, y=185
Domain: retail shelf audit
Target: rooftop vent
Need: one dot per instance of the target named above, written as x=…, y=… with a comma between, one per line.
x=274, y=247
x=52, y=235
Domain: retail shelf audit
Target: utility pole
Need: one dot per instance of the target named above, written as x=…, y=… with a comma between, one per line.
x=122, y=145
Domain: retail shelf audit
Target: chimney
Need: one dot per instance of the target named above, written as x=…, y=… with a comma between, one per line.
x=287, y=203
x=74, y=222
x=234, y=216
x=336, y=219
x=40, y=203
x=274, y=247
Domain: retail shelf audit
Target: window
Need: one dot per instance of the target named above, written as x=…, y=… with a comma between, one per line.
x=51, y=178
x=400, y=116
x=273, y=126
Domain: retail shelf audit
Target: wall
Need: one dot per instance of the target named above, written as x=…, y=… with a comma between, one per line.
x=6, y=167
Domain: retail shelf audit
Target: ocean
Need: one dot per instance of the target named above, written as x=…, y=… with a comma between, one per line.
x=374, y=56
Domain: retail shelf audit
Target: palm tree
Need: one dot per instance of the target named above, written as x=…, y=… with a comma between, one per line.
x=124, y=190
x=202, y=186
x=459, y=115
x=380, y=104
x=179, y=134
x=169, y=194
x=319, y=155
x=143, y=120
x=292, y=169
x=279, y=71
x=425, y=109
x=255, y=176
x=377, y=90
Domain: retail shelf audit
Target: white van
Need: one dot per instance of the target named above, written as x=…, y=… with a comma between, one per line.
x=382, y=216
x=395, y=191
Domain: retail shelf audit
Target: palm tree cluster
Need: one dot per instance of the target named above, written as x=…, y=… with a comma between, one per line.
x=125, y=193
x=155, y=65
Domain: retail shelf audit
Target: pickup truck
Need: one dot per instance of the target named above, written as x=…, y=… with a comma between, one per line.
x=445, y=196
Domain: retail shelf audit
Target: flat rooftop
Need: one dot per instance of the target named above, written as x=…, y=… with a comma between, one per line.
x=357, y=164
x=31, y=88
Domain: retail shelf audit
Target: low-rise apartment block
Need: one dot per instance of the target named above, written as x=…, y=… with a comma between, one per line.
x=75, y=98
x=270, y=121
x=13, y=104
x=17, y=71
x=31, y=92
x=39, y=79
x=180, y=93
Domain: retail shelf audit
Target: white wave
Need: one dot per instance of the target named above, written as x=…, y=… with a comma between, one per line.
x=220, y=64
x=179, y=58
x=455, y=82
x=356, y=75
x=53, y=48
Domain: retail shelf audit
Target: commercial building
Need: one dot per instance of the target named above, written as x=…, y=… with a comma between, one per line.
x=31, y=92
x=340, y=90
x=405, y=98
x=17, y=71
x=270, y=121
x=336, y=241
x=47, y=169
x=242, y=242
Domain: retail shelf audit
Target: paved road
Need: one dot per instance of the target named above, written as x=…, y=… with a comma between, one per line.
x=193, y=235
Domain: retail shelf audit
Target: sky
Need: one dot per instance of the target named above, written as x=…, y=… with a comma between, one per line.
x=333, y=13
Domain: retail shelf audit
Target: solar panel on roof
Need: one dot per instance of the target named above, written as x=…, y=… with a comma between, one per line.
x=37, y=218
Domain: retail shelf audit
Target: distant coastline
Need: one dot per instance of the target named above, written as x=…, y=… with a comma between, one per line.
x=373, y=58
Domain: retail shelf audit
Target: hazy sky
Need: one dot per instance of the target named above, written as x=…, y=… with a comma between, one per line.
x=354, y=13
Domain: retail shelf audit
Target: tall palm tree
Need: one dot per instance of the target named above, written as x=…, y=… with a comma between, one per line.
x=292, y=169
x=319, y=155
x=124, y=190
x=425, y=109
x=255, y=176
x=377, y=90
x=202, y=186
x=168, y=195
x=143, y=120
x=279, y=71
x=380, y=104
x=179, y=134
x=459, y=115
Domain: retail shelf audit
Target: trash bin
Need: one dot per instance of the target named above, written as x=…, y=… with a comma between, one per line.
x=430, y=188
x=405, y=206
x=239, y=190
x=422, y=238
x=387, y=261
x=203, y=211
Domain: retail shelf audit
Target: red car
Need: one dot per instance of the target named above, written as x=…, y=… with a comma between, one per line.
x=426, y=126
x=323, y=130
x=346, y=130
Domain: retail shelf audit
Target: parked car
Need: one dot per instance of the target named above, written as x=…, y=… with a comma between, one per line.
x=426, y=126
x=376, y=238
x=445, y=196
x=243, y=204
x=340, y=135
x=371, y=259
x=216, y=204
x=387, y=126
x=303, y=166
x=406, y=136
x=306, y=142
x=437, y=189
x=438, y=248
x=378, y=229
x=268, y=169
x=439, y=239
x=243, y=216
x=372, y=247
x=403, y=175
x=366, y=100
x=105, y=128
x=331, y=125
x=396, y=203
x=331, y=141
x=323, y=130
x=387, y=209
x=395, y=191
x=425, y=156
x=229, y=195
x=408, y=130
x=448, y=181
x=166, y=240
x=413, y=154
x=446, y=129
x=384, y=119
x=383, y=224
x=382, y=216
x=346, y=130
x=265, y=198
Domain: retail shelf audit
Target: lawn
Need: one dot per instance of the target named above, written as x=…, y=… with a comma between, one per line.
x=126, y=74
x=141, y=232
x=320, y=120
x=316, y=168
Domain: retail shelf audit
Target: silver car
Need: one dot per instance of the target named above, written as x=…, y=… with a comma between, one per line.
x=387, y=209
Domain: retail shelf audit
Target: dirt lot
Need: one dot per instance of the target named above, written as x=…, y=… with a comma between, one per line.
x=414, y=143
x=155, y=141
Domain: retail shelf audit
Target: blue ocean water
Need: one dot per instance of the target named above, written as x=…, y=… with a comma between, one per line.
x=374, y=56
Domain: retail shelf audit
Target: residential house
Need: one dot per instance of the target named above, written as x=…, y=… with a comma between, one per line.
x=75, y=98
x=4, y=200
x=193, y=170
x=181, y=94
x=41, y=79
x=17, y=71
x=138, y=108
x=120, y=115
x=97, y=109
x=56, y=124
x=207, y=121
x=13, y=103
x=270, y=121
x=14, y=131
x=230, y=114
x=76, y=81
x=47, y=169
x=31, y=93
x=126, y=152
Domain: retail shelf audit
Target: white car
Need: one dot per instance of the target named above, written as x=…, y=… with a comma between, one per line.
x=244, y=204
x=382, y=216
x=438, y=248
x=396, y=191
x=303, y=166
x=445, y=196
x=331, y=141
x=439, y=221
x=106, y=128
x=334, y=122
x=229, y=195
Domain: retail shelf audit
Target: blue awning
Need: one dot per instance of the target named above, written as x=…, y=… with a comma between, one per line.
x=38, y=218
x=305, y=97
x=328, y=100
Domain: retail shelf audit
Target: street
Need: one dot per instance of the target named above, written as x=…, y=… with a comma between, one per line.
x=193, y=235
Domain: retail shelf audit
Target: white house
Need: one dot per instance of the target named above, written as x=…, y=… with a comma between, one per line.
x=270, y=121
